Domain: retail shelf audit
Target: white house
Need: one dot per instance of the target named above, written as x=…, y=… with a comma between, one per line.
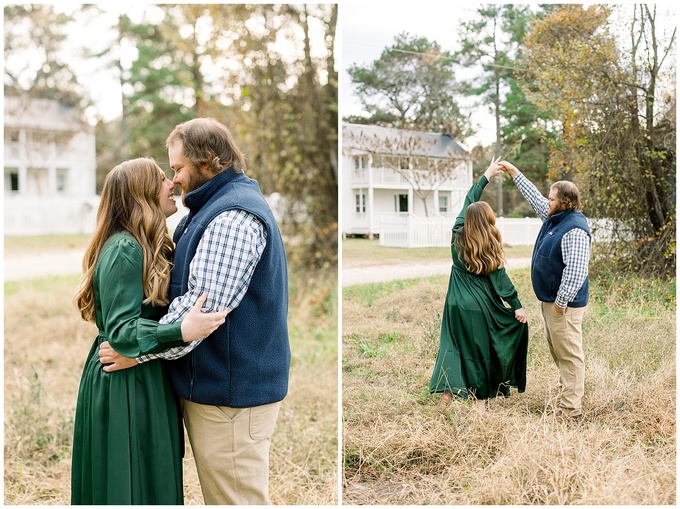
x=49, y=169
x=392, y=174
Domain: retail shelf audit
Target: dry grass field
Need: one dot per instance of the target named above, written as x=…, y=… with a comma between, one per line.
x=45, y=347
x=397, y=449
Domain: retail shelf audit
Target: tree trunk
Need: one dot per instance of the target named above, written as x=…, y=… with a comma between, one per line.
x=497, y=108
x=121, y=145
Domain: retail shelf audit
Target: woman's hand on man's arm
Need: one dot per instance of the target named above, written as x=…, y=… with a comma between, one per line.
x=494, y=169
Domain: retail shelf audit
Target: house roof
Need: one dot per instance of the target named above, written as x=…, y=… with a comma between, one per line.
x=400, y=141
x=43, y=114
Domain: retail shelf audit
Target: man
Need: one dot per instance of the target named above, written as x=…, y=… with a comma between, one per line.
x=559, y=275
x=228, y=246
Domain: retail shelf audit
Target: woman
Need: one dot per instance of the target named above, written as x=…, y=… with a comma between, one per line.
x=127, y=436
x=483, y=344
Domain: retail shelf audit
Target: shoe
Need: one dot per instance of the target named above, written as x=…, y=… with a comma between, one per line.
x=444, y=402
x=562, y=416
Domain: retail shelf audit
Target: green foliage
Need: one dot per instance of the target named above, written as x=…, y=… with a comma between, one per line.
x=381, y=346
x=158, y=88
x=369, y=293
x=312, y=293
x=369, y=350
x=492, y=43
x=287, y=118
x=613, y=289
x=411, y=86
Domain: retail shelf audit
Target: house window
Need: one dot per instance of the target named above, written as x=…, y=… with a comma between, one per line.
x=11, y=180
x=401, y=202
x=443, y=204
x=62, y=179
x=360, y=165
x=38, y=138
x=12, y=135
x=12, y=147
x=360, y=203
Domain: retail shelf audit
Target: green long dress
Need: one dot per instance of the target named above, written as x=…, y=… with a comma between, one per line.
x=483, y=348
x=127, y=442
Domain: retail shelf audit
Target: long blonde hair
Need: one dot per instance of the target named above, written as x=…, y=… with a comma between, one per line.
x=479, y=244
x=130, y=202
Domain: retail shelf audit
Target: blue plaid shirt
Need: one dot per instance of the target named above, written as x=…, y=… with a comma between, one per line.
x=575, y=245
x=223, y=266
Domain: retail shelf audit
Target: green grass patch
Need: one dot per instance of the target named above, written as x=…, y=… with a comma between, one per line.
x=38, y=243
x=44, y=285
x=369, y=293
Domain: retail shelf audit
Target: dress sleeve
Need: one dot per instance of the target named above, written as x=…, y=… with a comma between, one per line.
x=504, y=288
x=121, y=296
x=223, y=266
x=473, y=195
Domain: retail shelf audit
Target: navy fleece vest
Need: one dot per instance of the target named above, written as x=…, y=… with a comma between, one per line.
x=246, y=361
x=546, y=262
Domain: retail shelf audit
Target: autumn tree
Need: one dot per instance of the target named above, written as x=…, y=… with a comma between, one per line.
x=617, y=128
x=285, y=112
x=37, y=67
x=263, y=70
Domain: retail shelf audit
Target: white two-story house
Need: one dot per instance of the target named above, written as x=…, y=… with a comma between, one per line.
x=388, y=173
x=49, y=168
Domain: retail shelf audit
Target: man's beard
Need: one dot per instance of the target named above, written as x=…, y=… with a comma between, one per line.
x=557, y=210
x=196, y=180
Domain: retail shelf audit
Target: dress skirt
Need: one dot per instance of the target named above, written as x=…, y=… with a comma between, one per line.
x=126, y=447
x=483, y=347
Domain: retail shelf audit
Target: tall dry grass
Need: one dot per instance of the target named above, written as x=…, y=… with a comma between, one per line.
x=399, y=450
x=45, y=347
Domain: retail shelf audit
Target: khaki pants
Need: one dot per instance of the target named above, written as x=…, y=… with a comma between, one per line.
x=231, y=450
x=565, y=340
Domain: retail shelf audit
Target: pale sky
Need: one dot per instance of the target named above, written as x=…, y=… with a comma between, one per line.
x=369, y=27
x=96, y=35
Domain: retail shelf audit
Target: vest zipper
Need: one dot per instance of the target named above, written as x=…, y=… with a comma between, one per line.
x=191, y=376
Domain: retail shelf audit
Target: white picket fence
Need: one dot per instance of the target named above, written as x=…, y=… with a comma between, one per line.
x=411, y=231
x=59, y=215
x=45, y=215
